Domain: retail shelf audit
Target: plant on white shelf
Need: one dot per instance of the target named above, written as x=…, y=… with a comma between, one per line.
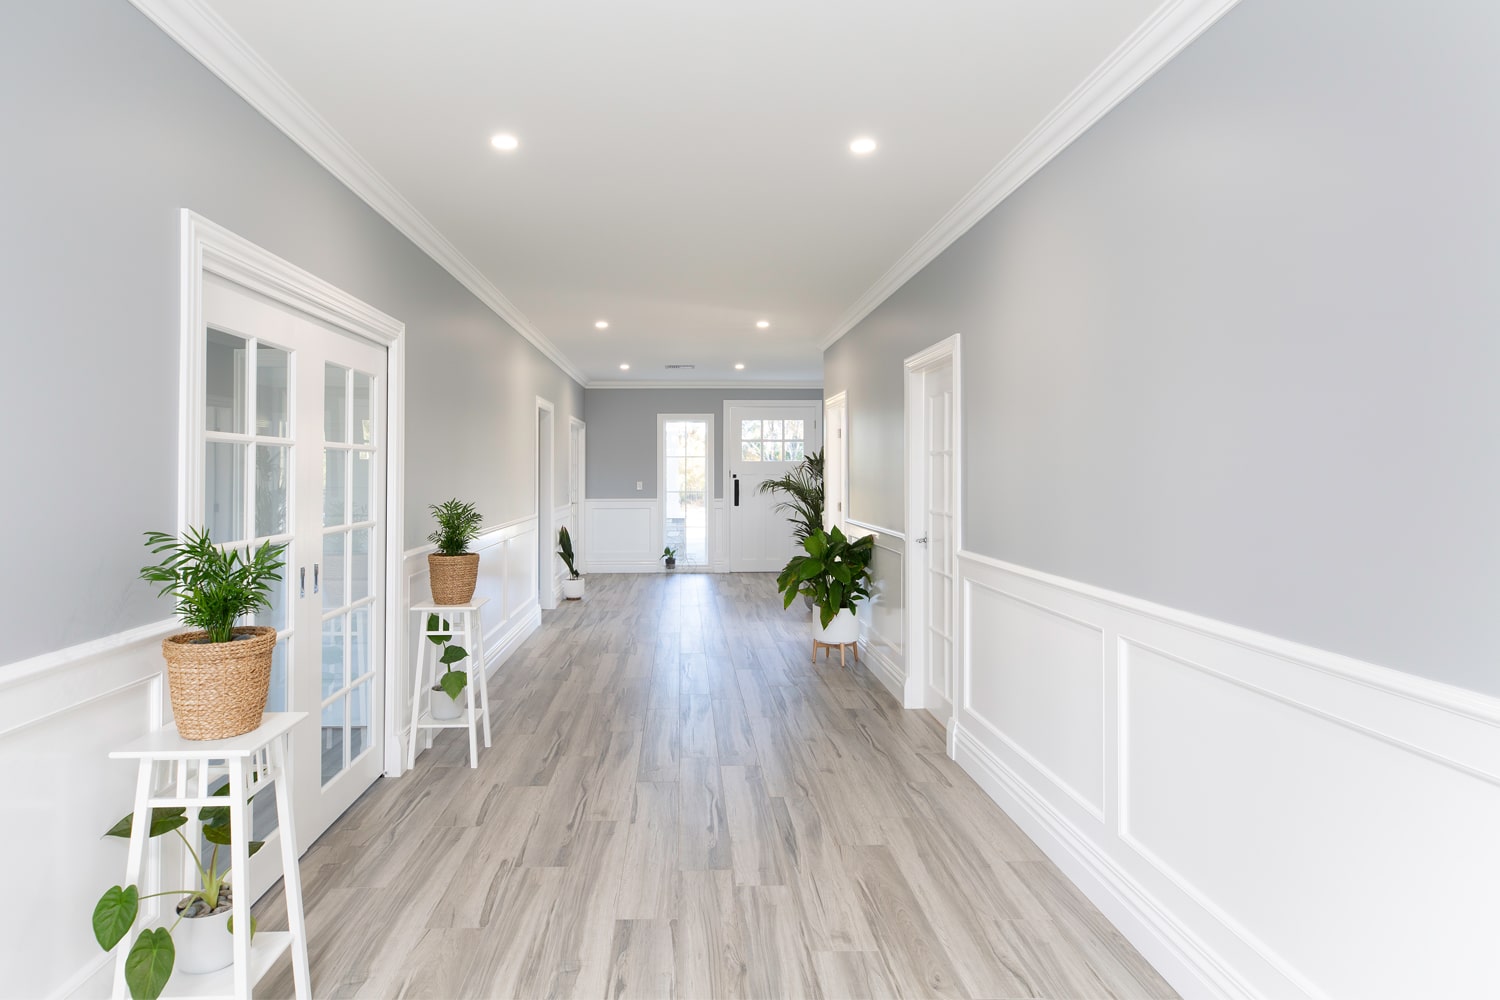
x=451, y=684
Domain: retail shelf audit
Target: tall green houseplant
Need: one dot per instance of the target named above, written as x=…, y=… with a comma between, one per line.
x=835, y=573
x=803, y=489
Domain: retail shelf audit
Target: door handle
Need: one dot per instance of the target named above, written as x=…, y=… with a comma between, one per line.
x=736, y=491
x=302, y=581
x=315, y=576
x=922, y=540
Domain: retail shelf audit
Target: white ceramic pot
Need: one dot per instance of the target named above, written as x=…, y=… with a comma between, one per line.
x=446, y=709
x=203, y=944
x=843, y=628
x=573, y=589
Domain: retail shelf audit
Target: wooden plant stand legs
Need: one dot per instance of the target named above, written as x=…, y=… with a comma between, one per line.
x=840, y=646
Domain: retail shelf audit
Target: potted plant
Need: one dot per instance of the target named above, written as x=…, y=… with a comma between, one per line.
x=803, y=488
x=202, y=928
x=835, y=573
x=669, y=556
x=573, y=585
x=219, y=673
x=452, y=683
x=453, y=568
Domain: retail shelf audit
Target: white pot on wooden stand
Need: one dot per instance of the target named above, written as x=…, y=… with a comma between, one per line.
x=844, y=628
x=573, y=588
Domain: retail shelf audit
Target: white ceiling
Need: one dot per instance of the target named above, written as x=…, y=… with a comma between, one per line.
x=683, y=168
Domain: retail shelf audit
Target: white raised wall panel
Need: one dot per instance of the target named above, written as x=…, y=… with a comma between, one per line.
x=1261, y=819
x=622, y=536
x=882, y=619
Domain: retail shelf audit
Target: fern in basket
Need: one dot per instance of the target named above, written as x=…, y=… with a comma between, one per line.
x=458, y=524
x=214, y=587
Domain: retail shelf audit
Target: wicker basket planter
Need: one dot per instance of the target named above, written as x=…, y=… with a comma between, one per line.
x=453, y=577
x=219, y=688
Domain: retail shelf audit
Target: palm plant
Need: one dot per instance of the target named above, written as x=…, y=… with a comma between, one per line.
x=214, y=587
x=803, y=488
x=458, y=525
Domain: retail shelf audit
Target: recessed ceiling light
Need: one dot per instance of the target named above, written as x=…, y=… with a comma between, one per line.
x=504, y=141
x=624, y=368
x=762, y=324
x=739, y=367
x=603, y=324
x=863, y=146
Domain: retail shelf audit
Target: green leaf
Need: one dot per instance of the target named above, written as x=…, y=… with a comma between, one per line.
x=816, y=545
x=164, y=819
x=149, y=964
x=255, y=845
x=114, y=914
x=453, y=683
x=440, y=637
x=229, y=925
x=835, y=596
x=809, y=569
x=217, y=834
x=452, y=655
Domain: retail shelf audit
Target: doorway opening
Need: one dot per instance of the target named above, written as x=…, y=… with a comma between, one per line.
x=685, y=448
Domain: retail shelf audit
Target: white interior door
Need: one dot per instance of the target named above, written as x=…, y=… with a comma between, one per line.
x=937, y=536
x=764, y=441
x=295, y=453
x=836, y=462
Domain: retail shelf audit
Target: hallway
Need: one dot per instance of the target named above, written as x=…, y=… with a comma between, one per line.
x=679, y=804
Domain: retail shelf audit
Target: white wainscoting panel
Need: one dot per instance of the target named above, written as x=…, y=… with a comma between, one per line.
x=1261, y=819
x=718, y=542
x=882, y=619
x=507, y=577
x=60, y=716
x=622, y=536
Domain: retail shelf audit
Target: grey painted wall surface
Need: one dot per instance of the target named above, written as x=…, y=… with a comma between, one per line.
x=111, y=129
x=1236, y=350
x=621, y=444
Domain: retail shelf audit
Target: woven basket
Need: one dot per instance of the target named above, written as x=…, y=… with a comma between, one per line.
x=219, y=688
x=453, y=577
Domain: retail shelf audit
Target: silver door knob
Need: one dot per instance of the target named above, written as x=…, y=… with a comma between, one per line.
x=922, y=540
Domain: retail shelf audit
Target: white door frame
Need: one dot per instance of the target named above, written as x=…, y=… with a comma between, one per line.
x=658, y=540
x=546, y=591
x=574, y=424
x=943, y=352
x=836, y=455
x=724, y=461
x=208, y=248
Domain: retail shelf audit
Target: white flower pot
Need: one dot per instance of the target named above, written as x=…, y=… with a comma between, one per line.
x=203, y=944
x=573, y=589
x=446, y=709
x=844, y=627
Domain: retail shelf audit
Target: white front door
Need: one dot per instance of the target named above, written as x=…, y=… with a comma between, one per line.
x=295, y=454
x=764, y=441
x=937, y=537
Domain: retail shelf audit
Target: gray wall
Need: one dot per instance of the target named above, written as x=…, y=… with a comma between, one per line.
x=1237, y=350
x=621, y=438
x=110, y=130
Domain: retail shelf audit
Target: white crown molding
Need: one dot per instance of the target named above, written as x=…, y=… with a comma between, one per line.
x=1174, y=25
x=210, y=40
x=702, y=385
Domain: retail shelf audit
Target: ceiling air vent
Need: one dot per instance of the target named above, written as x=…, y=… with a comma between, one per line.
x=680, y=368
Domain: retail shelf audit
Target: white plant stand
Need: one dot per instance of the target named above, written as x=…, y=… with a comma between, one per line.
x=250, y=762
x=463, y=621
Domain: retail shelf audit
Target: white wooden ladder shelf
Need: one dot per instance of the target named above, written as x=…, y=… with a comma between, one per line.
x=250, y=762
x=461, y=624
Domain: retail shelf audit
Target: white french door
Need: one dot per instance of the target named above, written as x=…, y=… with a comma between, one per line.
x=764, y=441
x=938, y=577
x=295, y=453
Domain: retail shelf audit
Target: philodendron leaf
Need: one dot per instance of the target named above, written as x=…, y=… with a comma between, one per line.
x=164, y=819
x=229, y=925
x=255, y=845
x=440, y=637
x=453, y=682
x=149, y=964
x=217, y=834
x=115, y=914
x=452, y=655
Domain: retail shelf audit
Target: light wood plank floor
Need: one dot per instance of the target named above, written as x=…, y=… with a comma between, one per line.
x=679, y=804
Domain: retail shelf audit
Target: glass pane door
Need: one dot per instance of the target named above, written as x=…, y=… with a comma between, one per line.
x=684, y=489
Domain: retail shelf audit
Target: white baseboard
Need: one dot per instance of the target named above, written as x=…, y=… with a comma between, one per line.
x=1259, y=818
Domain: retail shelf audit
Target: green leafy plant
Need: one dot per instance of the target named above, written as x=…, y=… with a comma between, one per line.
x=835, y=573
x=214, y=587
x=669, y=554
x=149, y=963
x=565, y=551
x=803, y=489
x=457, y=525
x=441, y=635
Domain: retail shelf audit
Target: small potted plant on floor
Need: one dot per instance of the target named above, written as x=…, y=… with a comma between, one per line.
x=202, y=928
x=446, y=692
x=573, y=585
x=669, y=556
x=453, y=568
x=218, y=675
x=835, y=573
